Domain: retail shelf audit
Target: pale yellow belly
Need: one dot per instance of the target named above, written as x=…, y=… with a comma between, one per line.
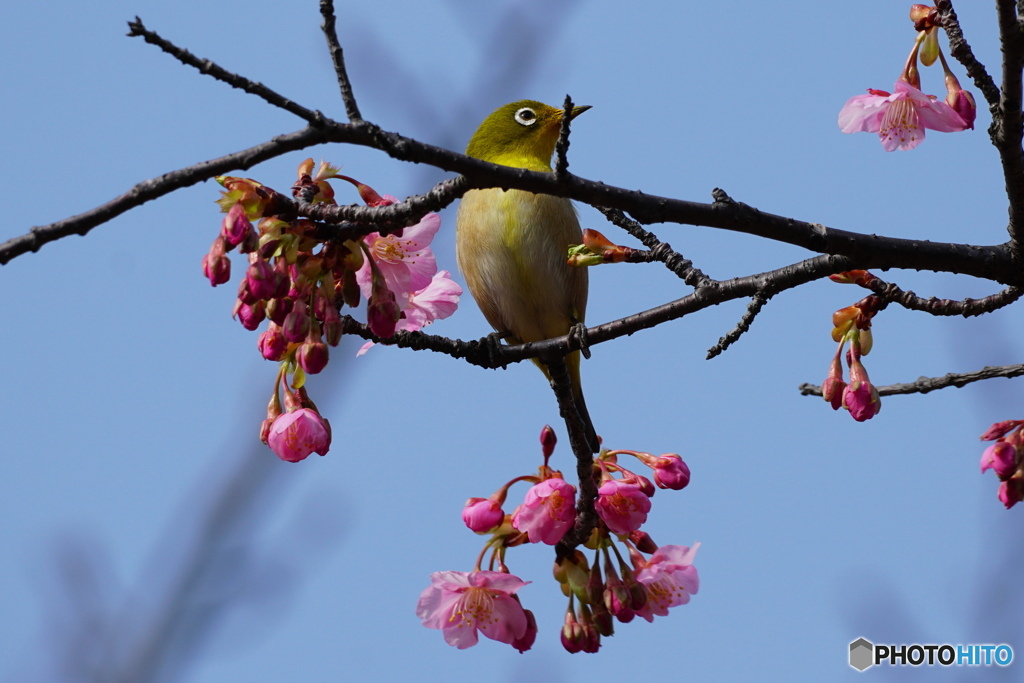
x=512, y=249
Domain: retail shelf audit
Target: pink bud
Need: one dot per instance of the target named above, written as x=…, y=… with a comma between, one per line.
x=296, y=323
x=262, y=279
x=548, y=439
x=482, y=514
x=312, y=356
x=1011, y=492
x=382, y=313
x=217, y=268
x=236, y=227
x=1001, y=457
x=272, y=343
x=964, y=105
x=252, y=316
x=1000, y=429
x=525, y=641
x=670, y=472
x=860, y=397
x=279, y=308
x=293, y=436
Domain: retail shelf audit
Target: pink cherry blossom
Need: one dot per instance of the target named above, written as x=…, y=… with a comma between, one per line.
x=461, y=603
x=406, y=262
x=482, y=514
x=436, y=301
x=294, y=435
x=623, y=507
x=901, y=118
x=547, y=512
x=670, y=579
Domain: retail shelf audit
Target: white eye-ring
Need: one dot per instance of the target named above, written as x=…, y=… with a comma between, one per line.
x=526, y=116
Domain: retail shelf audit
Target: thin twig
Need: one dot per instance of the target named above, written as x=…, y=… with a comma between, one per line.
x=945, y=307
x=338, y=58
x=923, y=385
x=660, y=251
x=756, y=303
x=562, y=146
x=210, y=68
x=157, y=187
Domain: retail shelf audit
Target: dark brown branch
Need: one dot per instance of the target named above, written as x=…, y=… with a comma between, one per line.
x=209, y=68
x=945, y=307
x=1007, y=123
x=338, y=58
x=488, y=355
x=562, y=146
x=157, y=187
x=860, y=251
x=757, y=302
x=925, y=384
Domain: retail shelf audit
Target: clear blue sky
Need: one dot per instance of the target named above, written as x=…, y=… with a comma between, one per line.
x=131, y=396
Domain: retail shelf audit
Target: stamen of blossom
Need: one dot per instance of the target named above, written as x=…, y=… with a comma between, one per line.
x=462, y=603
x=900, y=118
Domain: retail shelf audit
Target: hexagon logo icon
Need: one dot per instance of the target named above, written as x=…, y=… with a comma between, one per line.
x=862, y=654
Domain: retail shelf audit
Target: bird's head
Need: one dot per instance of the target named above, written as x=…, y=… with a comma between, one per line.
x=521, y=134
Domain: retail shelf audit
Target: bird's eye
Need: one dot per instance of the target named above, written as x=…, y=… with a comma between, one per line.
x=526, y=116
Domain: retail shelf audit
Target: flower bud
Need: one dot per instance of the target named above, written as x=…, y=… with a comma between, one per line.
x=670, y=472
x=272, y=343
x=312, y=356
x=252, y=316
x=548, y=439
x=236, y=228
x=296, y=323
x=482, y=514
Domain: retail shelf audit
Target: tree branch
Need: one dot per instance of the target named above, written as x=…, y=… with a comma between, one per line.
x=210, y=68
x=338, y=58
x=158, y=187
x=925, y=384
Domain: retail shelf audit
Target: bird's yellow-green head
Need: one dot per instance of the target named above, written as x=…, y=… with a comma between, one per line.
x=521, y=134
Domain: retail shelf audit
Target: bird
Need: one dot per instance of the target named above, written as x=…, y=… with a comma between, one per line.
x=512, y=245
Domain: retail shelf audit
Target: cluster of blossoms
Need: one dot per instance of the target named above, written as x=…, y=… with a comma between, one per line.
x=853, y=324
x=297, y=279
x=901, y=117
x=462, y=603
x=1006, y=458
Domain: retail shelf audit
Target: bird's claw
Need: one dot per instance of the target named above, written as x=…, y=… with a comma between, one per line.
x=578, y=336
x=492, y=343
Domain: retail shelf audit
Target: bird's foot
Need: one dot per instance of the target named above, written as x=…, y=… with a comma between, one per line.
x=492, y=343
x=578, y=335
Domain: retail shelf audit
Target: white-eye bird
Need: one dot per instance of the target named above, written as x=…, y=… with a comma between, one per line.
x=512, y=246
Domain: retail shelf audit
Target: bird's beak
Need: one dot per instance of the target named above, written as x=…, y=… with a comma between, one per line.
x=576, y=111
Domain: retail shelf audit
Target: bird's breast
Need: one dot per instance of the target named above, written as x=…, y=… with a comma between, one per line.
x=512, y=248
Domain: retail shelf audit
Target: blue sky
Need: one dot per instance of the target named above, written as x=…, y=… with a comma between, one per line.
x=132, y=398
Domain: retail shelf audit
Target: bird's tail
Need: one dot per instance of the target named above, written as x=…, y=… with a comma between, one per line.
x=572, y=362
